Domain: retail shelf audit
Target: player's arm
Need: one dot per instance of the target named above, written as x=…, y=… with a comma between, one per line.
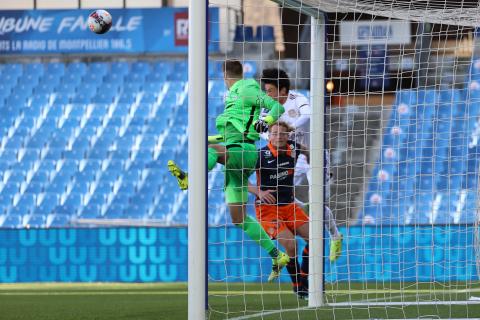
x=265, y=196
x=274, y=107
x=305, y=112
x=258, y=98
x=276, y=110
x=303, y=150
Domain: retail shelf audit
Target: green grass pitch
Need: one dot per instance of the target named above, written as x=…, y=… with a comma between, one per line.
x=233, y=301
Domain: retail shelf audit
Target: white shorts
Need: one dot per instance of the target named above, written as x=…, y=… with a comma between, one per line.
x=302, y=178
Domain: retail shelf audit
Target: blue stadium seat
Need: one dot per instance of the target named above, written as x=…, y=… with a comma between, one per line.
x=105, y=186
x=52, y=78
x=37, y=221
x=115, y=211
x=135, y=78
x=45, y=88
x=35, y=187
x=93, y=77
x=38, y=141
x=66, y=88
x=163, y=66
x=153, y=86
x=128, y=97
x=49, y=202
x=122, y=198
x=78, y=68
x=114, y=78
x=156, y=77
x=47, y=106
x=13, y=221
x=56, y=68
x=72, y=204
x=104, y=97
x=92, y=210
x=119, y=68
x=132, y=87
x=81, y=186
x=98, y=198
x=141, y=67
x=112, y=87
x=60, y=221
x=137, y=210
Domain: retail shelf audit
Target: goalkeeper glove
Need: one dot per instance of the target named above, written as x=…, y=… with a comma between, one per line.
x=215, y=139
x=261, y=125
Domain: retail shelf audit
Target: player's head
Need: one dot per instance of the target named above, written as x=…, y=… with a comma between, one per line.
x=232, y=72
x=278, y=134
x=276, y=83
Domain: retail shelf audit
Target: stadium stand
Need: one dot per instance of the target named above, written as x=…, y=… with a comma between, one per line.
x=427, y=172
x=82, y=140
x=90, y=140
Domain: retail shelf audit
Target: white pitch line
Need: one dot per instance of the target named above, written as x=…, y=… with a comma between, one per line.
x=91, y=293
x=400, y=303
x=241, y=292
x=353, y=292
x=269, y=313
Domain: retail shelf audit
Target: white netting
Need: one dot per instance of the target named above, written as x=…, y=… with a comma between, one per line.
x=462, y=12
x=402, y=131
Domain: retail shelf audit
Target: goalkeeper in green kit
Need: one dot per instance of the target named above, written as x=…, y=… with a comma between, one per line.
x=234, y=147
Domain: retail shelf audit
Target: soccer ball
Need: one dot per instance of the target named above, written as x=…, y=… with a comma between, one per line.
x=100, y=21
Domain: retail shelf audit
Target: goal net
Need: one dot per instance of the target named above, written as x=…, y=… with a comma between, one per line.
x=394, y=94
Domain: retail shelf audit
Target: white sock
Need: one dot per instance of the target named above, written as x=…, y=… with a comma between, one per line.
x=331, y=224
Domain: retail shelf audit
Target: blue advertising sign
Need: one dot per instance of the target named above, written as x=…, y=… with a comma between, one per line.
x=389, y=253
x=163, y=30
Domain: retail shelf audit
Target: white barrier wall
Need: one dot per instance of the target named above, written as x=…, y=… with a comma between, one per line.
x=57, y=4
x=96, y=4
x=16, y=5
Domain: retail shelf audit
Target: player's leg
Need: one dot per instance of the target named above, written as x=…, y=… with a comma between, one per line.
x=241, y=161
x=249, y=224
x=216, y=154
x=336, y=237
x=287, y=239
x=299, y=223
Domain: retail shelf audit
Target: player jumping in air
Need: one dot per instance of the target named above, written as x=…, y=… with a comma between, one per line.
x=234, y=147
x=297, y=114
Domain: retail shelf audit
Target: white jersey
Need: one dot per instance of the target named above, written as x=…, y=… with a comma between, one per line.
x=297, y=115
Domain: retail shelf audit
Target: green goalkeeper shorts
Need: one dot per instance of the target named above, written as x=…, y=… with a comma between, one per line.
x=241, y=162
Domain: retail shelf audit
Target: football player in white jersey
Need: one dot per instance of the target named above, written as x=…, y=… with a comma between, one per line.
x=276, y=84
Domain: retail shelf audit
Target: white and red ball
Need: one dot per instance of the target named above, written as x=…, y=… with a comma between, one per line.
x=100, y=21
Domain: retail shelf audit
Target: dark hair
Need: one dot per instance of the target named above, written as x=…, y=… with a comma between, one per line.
x=277, y=77
x=233, y=69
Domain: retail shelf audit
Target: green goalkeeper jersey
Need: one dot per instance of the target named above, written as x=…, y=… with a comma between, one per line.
x=243, y=104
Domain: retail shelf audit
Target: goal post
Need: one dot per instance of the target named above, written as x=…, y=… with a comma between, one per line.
x=394, y=89
x=197, y=163
x=316, y=208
